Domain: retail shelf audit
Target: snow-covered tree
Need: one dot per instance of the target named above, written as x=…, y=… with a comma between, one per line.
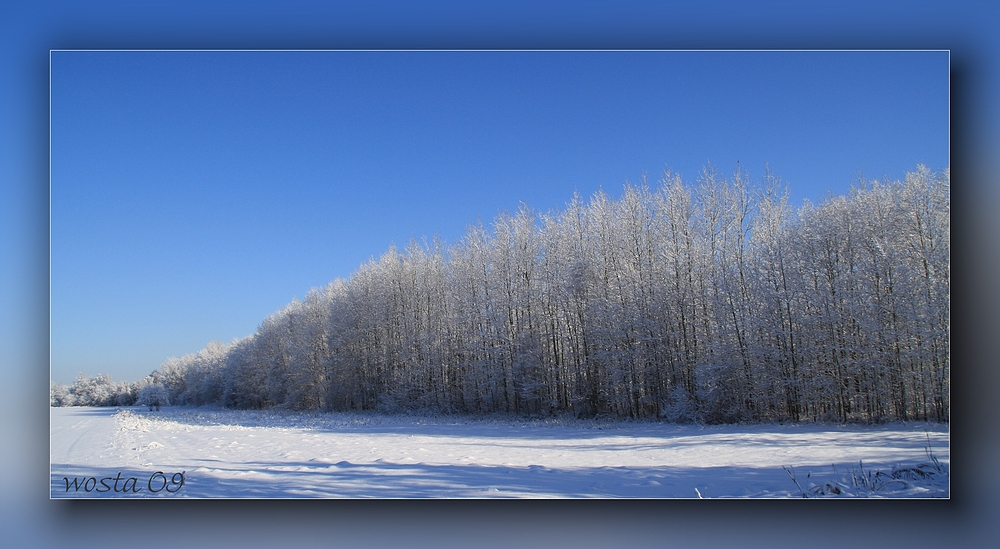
x=153, y=395
x=716, y=302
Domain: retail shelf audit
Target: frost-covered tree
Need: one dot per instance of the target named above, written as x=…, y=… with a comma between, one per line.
x=99, y=390
x=153, y=395
x=60, y=395
x=714, y=302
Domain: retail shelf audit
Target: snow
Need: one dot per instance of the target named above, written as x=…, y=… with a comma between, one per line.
x=268, y=454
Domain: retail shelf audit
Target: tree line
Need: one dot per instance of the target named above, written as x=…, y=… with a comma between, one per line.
x=713, y=302
x=101, y=390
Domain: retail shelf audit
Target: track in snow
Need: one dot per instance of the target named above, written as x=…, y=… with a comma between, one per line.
x=241, y=454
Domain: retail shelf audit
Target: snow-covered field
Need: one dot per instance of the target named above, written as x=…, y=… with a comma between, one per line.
x=206, y=453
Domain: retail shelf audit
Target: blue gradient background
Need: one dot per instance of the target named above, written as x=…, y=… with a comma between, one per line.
x=29, y=31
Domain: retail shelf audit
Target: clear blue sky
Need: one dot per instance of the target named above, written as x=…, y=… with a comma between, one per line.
x=194, y=193
x=29, y=29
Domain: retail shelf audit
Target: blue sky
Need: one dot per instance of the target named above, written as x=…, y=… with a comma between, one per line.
x=194, y=193
x=28, y=30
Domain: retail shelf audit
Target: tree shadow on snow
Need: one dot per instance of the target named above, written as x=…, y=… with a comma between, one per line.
x=539, y=429
x=385, y=480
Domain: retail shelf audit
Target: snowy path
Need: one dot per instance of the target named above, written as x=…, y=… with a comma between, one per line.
x=265, y=454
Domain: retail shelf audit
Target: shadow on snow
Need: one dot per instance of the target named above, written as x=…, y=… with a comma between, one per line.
x=344, y=479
